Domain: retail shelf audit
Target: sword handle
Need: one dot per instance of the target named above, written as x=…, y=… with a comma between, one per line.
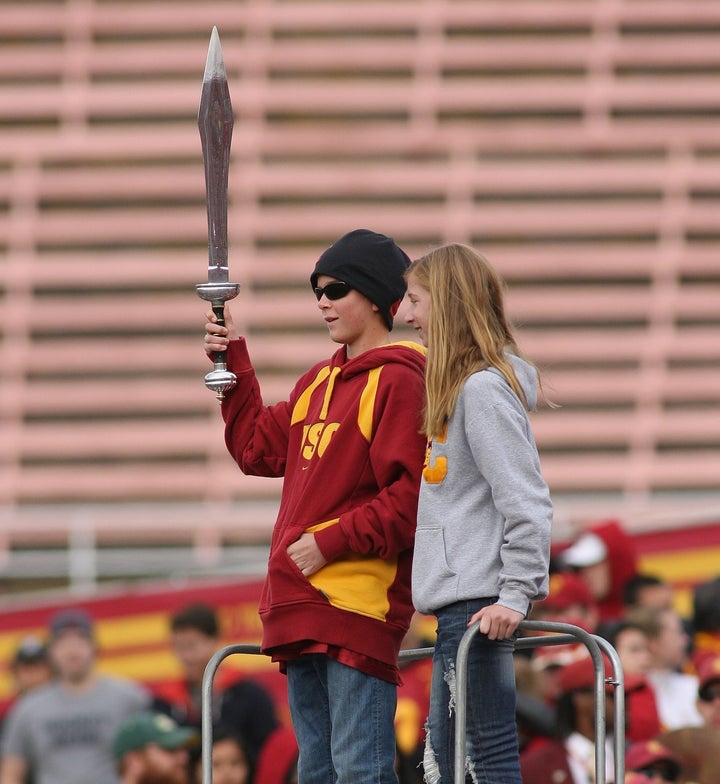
x=220, y=379
x=218, y=308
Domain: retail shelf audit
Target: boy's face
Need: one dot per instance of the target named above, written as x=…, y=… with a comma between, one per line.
x=598, y=578
x=418, y=311
x=163, y=766
x=73, y=654
x=194, y=649
x=352, y=319
x=27, y=675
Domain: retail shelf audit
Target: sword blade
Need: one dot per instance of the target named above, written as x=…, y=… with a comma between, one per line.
x=215, y=122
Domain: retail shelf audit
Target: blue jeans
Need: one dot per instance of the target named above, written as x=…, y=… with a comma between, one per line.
x=492, y=745
x=343, y=721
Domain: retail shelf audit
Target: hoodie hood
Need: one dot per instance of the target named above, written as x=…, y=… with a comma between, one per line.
x=527, y=378
x=407, y=353
x=606, y=541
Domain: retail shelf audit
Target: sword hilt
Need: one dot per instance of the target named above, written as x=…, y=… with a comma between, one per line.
x=220, y=379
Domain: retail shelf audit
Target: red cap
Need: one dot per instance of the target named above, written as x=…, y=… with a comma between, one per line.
x=650, y=752
x=565, y=590
x=708, y=672
x=581, y=675
x=557, y=655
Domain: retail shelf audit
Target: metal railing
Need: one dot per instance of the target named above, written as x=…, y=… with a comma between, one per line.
x=559, y=634
x=552, y=634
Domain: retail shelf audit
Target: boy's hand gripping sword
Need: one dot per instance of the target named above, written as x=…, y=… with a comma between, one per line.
x=215, y=121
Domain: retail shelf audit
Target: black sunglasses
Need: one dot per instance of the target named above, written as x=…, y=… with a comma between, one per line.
x=335, y=290
x=663, y=773
x=710, y=693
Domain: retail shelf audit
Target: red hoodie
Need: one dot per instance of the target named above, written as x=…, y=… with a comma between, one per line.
x=622, y=560
x=348, y=444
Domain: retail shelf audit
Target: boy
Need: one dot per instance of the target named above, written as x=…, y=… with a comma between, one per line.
x=336, y=601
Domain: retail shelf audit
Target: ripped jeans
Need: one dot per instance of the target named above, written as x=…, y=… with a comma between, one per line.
x=492, y=744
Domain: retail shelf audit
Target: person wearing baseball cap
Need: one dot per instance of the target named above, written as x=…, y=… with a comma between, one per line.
x=29, y=668
x=30, y=665
x=570, y=757
x=605, y=557
x=152, y=747
x=708, y=700
x=653, y=760
x=72, y=619
x=62, y=732
x=337, y=597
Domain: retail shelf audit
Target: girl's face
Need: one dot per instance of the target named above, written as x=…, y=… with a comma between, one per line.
x=418, y=312
x=633, y=650
x=229, y=765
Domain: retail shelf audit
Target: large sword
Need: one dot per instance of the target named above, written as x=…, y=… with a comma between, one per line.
x=215, y=121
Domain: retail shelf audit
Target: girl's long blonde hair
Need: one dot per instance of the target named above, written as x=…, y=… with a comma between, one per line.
x=467, y=328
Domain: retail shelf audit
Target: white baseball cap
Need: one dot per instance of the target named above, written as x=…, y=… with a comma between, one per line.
x=588, y=550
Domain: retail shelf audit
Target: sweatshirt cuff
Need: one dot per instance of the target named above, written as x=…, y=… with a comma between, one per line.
x=332, y=542
x=514, y=600
x=237, y=356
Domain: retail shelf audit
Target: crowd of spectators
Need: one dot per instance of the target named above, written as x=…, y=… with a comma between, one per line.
x=671, y=667
x=69, y=723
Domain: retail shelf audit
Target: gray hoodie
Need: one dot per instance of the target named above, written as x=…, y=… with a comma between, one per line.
x=484, y=513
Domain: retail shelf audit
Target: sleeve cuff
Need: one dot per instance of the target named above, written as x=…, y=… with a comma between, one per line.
x=332, y=542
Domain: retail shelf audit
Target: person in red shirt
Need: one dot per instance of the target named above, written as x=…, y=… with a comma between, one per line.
x=630, y=639
x=708, y=701
x=568, y=601
x=278, y=760
x=653, y=760
x=239, y=701
x=604, y=556
x=570, y=756
x=336, y=601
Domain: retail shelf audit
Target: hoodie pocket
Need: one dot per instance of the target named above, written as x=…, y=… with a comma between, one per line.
x=286, y=584
x=434, y=582
x=358, y=583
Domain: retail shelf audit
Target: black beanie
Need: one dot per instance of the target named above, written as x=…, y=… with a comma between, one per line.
x=370, y=263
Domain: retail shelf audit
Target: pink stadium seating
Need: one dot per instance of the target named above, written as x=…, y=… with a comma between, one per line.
x=577, y=144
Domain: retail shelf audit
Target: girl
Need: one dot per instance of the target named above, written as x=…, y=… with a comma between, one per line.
x=484, y=516
x=231, y=759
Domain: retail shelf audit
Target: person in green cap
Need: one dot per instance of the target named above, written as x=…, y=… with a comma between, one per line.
x=152, y=748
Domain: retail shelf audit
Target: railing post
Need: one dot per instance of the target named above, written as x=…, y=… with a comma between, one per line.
x=561, y=633
x=206, y=703
x=564, y=633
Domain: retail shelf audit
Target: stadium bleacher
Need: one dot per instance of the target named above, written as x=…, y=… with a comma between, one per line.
x=576, y=143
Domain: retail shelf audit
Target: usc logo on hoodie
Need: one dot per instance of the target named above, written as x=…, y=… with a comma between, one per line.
x=434, y=471
x=316, y=438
